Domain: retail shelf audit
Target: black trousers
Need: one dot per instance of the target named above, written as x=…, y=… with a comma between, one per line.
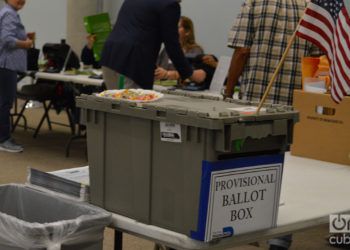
x=8, y=85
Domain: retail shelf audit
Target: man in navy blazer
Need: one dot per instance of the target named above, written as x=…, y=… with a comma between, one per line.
x=133, y=46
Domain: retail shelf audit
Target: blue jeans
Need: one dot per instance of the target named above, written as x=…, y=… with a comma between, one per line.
x=8, y=85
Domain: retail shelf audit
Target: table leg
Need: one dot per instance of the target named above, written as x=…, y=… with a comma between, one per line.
x=118, y=240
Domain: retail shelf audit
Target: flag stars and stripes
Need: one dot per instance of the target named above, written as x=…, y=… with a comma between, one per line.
x=327, y=24
x=332, y=7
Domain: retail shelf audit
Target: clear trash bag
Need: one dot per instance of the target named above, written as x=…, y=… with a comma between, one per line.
x=32, y=219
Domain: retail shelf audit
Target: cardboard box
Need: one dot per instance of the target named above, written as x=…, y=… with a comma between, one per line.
x=323, y=132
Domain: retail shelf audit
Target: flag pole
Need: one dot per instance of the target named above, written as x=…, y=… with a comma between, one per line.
x=279, y=66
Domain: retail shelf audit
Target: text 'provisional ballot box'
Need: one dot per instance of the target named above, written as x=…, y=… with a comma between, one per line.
x=200, y=167
x=239, y=196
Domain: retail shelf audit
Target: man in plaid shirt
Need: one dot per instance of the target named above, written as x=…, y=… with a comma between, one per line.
x=259, y=36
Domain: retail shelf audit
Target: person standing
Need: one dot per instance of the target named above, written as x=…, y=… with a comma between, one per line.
x=13, y=58
x=259, y=36
x=133, y=46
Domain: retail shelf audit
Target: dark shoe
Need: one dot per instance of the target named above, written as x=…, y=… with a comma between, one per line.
x=11, y=146
x=274, y=247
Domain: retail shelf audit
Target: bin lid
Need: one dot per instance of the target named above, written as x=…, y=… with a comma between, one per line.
x=190, y=110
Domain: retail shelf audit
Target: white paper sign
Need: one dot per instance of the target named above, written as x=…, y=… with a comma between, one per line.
x=243, y=200
x=170, y=132
x=220, y=74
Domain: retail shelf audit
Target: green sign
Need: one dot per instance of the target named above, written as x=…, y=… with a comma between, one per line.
x=100, y=26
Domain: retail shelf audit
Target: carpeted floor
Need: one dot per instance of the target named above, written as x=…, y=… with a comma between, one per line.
x=47, y=152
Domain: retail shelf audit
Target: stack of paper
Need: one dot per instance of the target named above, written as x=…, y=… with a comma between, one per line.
x=73, y=182
x=314, y=85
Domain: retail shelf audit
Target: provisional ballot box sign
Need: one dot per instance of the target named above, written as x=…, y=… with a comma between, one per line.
x=239, y=196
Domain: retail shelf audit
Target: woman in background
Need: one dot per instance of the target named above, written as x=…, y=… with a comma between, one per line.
x=191, y=49
x=13, y=58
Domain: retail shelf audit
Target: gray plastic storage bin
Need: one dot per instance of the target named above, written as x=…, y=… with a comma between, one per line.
x=31, y=219
x=136, y=174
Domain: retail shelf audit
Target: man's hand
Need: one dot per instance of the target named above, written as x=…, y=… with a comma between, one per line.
x=90, y=41
x=160, y=74
x=226, y=95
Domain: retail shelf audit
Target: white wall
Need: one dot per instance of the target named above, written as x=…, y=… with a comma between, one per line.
x=76, y=32
x=47, y=18
x=212, y=20
x=112, y=7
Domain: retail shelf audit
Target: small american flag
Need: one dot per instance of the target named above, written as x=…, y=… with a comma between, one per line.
x=326, y=23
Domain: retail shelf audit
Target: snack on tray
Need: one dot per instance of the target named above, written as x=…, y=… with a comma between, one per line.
x=133, y=95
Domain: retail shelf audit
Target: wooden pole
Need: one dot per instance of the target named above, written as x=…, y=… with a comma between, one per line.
x=267, y=91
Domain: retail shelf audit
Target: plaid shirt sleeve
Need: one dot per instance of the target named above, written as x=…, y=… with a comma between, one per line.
x=8, y=34
x=242, y=32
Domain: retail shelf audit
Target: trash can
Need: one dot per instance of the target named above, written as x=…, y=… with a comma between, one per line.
x=152, y=161
x=32, y=219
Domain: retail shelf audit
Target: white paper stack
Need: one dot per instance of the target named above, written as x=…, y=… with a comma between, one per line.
x=72, y=182
x=314, y=85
